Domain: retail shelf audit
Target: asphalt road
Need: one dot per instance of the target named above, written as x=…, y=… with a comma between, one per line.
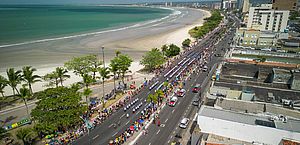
x=169, y=116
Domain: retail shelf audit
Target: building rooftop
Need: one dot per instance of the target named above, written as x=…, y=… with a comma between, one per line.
x=255, y=128
x=291, y=125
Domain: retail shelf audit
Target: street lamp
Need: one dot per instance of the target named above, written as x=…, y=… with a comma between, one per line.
x=103, y=77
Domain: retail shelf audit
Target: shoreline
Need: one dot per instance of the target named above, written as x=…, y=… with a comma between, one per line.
x=134, y=46
x=94, y=32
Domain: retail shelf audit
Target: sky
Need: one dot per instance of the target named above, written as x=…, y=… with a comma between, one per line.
x=83, y=1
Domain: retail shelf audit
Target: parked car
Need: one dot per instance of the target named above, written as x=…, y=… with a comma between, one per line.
x=180, y=92
x=196, y=101
x=196, y=88
x=205, y=68
x=184, y=123
x=173, y=101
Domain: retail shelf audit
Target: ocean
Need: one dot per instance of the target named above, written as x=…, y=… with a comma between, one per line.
x=21, y=24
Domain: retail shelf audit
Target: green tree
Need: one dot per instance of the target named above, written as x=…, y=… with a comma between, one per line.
x=26, y=135
x=87, y=80
x=114, y=68
x=160, y=95
x=124, y=62
x=152, y=98
x=84, y=64
x=3, y=84
x=186, y=42
x=294, y=15
x=62, y=74
x=29, y=77
x=87, y=92
x=104, y=73
x=14, y=78
x=93, y=64
x=52, y=78
x=152, y=59
x=172, y=51
x=164, y=48
x=117, y=52
x=24, y=95
x=3, y=133
x=211, y=23
x=58, y=109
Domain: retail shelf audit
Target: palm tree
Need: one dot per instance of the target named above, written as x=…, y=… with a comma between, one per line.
x=29, y=78
x=87, y=80
x=164, y=48
x=117, y=52
x=104, y=73
x=26, y=135
x=62, y=74
x=152, y=98
x=159, y=94
x=52, y=78
x=24, y=94
x=87, y=92
x=114, y=68
x=3, y=84
x=14, y=78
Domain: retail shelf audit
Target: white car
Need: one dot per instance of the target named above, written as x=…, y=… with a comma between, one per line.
x=184, y=123
x=180, y=92
x=173, y=101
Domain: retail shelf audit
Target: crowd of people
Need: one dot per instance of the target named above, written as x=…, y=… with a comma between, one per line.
x=102, y=115
x=137, y=125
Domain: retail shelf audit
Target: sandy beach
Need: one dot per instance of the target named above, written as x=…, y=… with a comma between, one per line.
x=45, y=56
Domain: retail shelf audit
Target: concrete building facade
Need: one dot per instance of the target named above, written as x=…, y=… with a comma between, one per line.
x=264, y=18
x=247, y=127
x=290, y=5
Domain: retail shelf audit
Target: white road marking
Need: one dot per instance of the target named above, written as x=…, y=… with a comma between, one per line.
x=158, y=132
x=95, y=136
x=173, y=111
x=110, y=126
x=127, y=122
x=137, y=113
x=150, y=143
x=168, y=141
x=122, y=116
x=114, y=134
x=166, y=120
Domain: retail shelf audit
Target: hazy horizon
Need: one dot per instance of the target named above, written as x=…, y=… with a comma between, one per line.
x=3, y=2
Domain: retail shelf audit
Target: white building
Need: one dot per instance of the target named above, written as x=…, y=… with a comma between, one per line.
x=248, y=127
x=246, y=6
x=229, y=4
x=264, y=18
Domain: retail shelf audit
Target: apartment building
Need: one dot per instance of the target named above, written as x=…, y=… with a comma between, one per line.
x=264, y=18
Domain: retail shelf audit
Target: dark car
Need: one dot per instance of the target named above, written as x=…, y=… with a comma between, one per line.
x=196, y=88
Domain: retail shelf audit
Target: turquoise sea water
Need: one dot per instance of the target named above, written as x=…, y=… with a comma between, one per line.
x=28, y=23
